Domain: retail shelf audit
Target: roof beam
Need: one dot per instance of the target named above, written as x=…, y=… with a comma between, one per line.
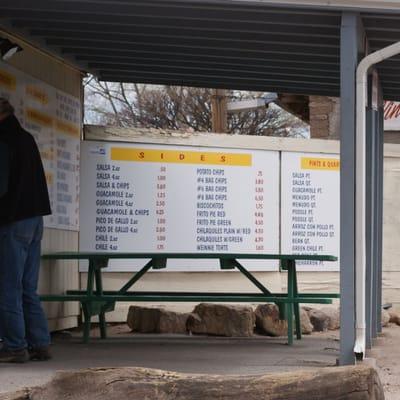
x=217, y=63
x=195, y=11
x=131, y=77
x=148, y=24
x=167, y=45
x=217, y=36
x=41, y=44
x=263, y=70
x=316, y=45
x=287, y=88
x=195, y=54
x=266, y=75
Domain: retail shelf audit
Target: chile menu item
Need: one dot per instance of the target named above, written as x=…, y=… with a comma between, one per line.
x=162, y=198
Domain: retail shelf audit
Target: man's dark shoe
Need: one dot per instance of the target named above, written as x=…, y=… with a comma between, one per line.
x=14, y=356
x=40, y=354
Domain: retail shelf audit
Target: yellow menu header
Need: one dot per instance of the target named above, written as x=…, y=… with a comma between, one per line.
x=39, y=117
x=331, y=164
x=180, y=157
x=7, y=80
x=38, y=94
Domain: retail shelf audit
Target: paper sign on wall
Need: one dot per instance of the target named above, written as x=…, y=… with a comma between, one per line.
x=54, y=119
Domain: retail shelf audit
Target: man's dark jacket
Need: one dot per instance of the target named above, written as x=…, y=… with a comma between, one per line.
x=22, y=174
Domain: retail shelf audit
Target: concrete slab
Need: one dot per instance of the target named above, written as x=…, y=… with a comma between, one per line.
x=181, y=353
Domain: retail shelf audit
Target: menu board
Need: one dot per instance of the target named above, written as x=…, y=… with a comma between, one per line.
x=310, y=207
x=54, y=119
x=162, y=198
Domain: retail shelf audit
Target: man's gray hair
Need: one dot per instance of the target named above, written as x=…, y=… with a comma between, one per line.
x=6, y=107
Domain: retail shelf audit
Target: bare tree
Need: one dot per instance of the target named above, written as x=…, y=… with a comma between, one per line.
x=185, y=108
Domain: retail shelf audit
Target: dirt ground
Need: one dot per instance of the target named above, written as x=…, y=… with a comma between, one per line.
x=257, y=355
x=387, y=354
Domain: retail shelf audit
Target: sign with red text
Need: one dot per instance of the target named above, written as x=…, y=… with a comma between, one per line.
x=164, y=198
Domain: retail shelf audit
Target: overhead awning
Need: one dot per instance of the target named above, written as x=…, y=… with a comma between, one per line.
x=224, y=44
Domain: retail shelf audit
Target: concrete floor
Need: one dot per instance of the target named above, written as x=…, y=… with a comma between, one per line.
x=181, y=353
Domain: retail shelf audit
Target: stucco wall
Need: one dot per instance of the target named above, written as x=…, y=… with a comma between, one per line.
x=54, y=279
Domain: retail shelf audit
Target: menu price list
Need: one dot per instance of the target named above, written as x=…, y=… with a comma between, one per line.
x=174, y=207
x=160, y=209
x=310, y=207
x=116, y=215
x=259, y=211
x=215, y=229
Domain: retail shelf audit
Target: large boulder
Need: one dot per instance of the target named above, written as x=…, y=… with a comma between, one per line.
x=306, y=325
x=156, y=320
x=221, y=320
x=340, y=383
x=20, y=395
x=319, y=320
x=394, y=317
x=268, y=321
x=385, y=318
x=333, y=314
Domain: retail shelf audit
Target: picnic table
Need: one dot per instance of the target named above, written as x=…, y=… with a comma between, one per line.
x=97, y=302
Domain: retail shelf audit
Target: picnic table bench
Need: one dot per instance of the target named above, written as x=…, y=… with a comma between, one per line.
x=97, y=302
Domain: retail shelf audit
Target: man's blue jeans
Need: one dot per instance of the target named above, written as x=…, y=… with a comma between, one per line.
x=23, y=323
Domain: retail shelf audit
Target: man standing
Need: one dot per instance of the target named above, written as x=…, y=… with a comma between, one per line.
x=24, y=200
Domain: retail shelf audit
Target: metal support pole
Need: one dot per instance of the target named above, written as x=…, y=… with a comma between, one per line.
x=376, y=105
x=375, y=260
x=370, y=192
x=379, y=225
x=351, y=47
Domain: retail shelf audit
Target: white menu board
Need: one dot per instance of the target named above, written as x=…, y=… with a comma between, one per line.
x=54, y=119
x=161, y=198
x=310, y=207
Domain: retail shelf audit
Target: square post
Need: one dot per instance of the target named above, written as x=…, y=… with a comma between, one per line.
x=351, y=46
x=375, y=231
x=379, y=223
x=377, y=104
x=370, y=219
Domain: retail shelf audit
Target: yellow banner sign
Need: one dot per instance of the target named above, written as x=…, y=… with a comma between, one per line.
x=7, y=80
x=37, y=93
x=180, y=157
x=49, y=178
x=39, y=117
x=331, y=164
x=68, y=128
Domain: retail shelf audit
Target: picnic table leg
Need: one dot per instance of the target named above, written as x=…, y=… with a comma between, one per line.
x=249, y=276
x=290, y=305
x=102, y=315
x=87, y=305
x=296, y=305
x=86, y=324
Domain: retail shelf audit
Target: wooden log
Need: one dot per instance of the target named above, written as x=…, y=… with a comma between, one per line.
x=341, y=383
x=20, y=395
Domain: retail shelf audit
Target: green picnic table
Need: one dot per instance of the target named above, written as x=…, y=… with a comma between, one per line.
x=97, y=302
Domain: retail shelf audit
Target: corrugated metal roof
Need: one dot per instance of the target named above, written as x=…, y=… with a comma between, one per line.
x=227, y=44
